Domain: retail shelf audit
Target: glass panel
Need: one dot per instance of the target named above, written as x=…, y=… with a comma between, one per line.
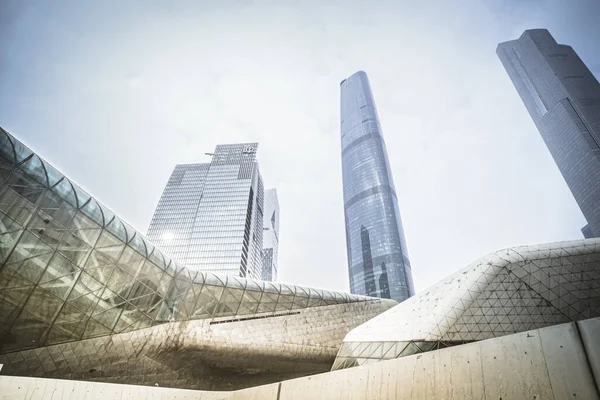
x=28, y=247
x=425, y=346
x=57, y=208
x=101, y=263
x=27, y=332
x=85, y=229
x=409, y=350
x=31, y=268
x=82, y=197
x=65, y=332
x=14, y=291
x=140, y=323
x=116, y=228
x=34, y=168
x=108, y=215
x=93, y=210
x=60, y=276
x=74, y=248
x=157, y=258
x=248, y=304
x=108, y=240
x=85, y=293
x=120, y=282
x=300, y=302
x=46, y=228
x=53, y=175
x=21, y=151
x=150, y=275
x=65, y=191
x=15, y=206
x=108, y=300
x=94, y=329
x=138, y=245
x=43, y=304
x=25, y=186
x=6, y=147
x=4, y=171
x=7, y=243
x=131, y=261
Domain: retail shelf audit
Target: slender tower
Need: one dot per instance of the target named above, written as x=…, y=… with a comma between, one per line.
x=377, y=257
x=563, y=99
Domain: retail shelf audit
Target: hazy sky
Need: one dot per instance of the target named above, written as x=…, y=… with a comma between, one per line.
x=115, y=93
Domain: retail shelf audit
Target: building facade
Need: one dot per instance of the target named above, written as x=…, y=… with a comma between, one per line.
x=85, y=296
x=270, y=249
x=563, y=99
x=210, y=216
x=378, y=262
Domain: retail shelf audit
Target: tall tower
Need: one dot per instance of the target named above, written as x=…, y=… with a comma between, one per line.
x=377, y=257
x=270, y=249
x=210, y=216
x=563, y=99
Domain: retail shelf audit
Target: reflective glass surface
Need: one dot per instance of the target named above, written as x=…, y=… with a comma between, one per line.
x=210, y=215
x=377, y=256
x=70, y=269
x=563, y=99
x=270, y=236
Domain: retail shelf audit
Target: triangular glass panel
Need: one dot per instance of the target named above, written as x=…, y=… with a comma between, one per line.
x=95, y=329
x=64, y=190
x=34, y=168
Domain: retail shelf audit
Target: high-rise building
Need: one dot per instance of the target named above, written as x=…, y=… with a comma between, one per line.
x=270, y=248
x=563, y=99
x=377, y=257
x=210, y=216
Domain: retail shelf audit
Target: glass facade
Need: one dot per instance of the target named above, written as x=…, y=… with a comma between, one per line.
x=270, y=249
x=377, y=256
x=70, y=269
x=210, y=215
x=563, y=99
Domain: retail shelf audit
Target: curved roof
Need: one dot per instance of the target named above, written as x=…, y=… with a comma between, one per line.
x=508, y=291
x=71, y=269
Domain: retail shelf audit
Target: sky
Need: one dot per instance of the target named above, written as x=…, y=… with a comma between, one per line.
x=114, y=94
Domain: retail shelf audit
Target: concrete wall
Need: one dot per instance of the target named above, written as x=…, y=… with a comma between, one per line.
x=202, y=354
x=550, y=363
x=25, y=388
x=558, y=362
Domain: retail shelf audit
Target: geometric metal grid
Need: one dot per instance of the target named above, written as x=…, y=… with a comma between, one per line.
x=508, y=291
x=378, y=263
x=70, y=269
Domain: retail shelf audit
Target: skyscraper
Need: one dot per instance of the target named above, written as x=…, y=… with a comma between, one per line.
x=563, y=99
x=377, y=257
x=270, y=248
x=210, y=216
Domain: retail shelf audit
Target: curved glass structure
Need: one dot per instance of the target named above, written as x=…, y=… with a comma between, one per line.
x=70, y=269
x=377, y=257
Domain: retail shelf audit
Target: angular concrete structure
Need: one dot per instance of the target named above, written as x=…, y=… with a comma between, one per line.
x=505, y=292
x=557, y=363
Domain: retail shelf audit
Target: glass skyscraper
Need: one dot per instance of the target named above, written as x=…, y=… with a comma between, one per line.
x=210, y=216
x=377, y=257
x=563, y=99
x=270, y=236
